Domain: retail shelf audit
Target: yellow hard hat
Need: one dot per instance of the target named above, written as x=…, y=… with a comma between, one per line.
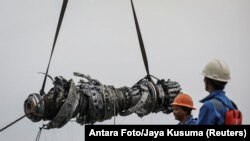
x=183, y=100
x=217, y=70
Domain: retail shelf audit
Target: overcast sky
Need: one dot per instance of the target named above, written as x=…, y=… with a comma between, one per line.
x=98, y=37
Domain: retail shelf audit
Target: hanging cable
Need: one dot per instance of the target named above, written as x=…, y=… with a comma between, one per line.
x=64, y=5
x=143, y=51
x=114, y=107
x=12, y=123
x=39, y=133
x=30, y=112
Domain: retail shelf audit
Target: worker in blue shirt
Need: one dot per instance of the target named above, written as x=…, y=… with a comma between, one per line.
x=182, y=108
x=216, y=75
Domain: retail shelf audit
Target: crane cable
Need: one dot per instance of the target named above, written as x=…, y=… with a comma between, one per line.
x=12, y=123
x=64, y=5
x=143, y=51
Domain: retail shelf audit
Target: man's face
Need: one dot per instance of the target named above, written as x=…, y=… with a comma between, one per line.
x=179, y=113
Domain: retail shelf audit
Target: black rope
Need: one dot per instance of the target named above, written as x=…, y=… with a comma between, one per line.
x=64, y=5
x=39, y=133
x=143, y=51
x=12, y=123
x=32, y=111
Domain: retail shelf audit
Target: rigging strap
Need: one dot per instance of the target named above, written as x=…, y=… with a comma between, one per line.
x=64, y=5
x=143, y=51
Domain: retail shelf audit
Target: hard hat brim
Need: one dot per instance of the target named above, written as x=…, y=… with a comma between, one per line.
x=184, y=105
x=217, y=79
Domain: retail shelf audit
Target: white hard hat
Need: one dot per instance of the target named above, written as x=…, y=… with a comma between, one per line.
x=217, y=70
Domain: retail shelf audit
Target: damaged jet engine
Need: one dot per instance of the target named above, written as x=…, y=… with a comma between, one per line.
x=90, y=101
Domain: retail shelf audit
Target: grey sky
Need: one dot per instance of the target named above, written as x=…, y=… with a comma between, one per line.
x=98, y=37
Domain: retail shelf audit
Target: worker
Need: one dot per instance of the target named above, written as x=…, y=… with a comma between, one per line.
x=216, y=75
x=182, y=108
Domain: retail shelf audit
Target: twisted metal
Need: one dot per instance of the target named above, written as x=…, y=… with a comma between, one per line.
x=90, y=101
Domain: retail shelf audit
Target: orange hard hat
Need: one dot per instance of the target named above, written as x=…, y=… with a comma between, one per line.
x=183, y=100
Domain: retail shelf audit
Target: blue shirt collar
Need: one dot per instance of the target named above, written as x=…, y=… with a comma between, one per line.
x=213, y=95
x=188, y=121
